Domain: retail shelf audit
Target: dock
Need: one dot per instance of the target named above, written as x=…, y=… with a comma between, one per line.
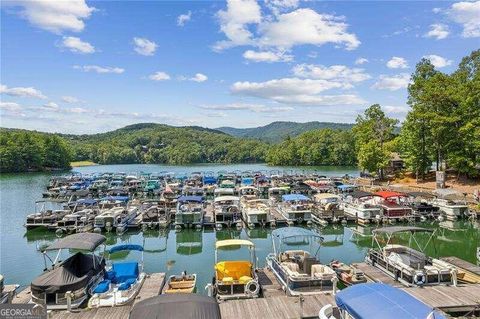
x=151, y=287
x=462, y=264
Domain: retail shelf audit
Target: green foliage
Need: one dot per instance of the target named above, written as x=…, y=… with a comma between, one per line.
x=317, y=147
x=22, y=151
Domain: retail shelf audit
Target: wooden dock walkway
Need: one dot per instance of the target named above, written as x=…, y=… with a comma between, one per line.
x=374, y=274
x=463, y=264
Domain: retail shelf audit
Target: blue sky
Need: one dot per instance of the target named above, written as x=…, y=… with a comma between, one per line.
x=92, y=66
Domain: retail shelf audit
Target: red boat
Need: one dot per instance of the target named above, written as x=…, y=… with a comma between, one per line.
x=394, y=204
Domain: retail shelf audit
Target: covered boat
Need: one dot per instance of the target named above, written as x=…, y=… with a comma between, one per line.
x=450, y=204
x=190, y=211
x=358, y=205
x=176, y=306
x=378, y=301
x=407, y=265
x=298, y=271
x=394, y=204
x=73, y=278
x=227, y=211
x=296, y=208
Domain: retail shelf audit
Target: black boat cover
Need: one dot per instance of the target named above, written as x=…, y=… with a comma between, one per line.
x=181, y=306
x=74, y=273
x=79, y=241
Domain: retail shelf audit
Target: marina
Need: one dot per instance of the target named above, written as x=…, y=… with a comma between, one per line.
x=182, y=252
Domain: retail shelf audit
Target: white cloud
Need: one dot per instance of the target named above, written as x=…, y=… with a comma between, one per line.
x=267, y=56
x=278, y=6
x=76, y=45
x=305, y=26
x=438, y=61
x=144, y=46
x=50, y=106
x=256, y=108
x=77, y=110
x=468, y=15
x=438, y=31
x=53, y=15
x=199, y=77
x=10, y=106
x=397, y=63
x=22, y=92
x=296, y=91
x=99, y=69
x=360, y=61
x=183, y=18
x=337, y=73
x=159, y=76
x=70, y=99
x=392, y=83
x=235, y=20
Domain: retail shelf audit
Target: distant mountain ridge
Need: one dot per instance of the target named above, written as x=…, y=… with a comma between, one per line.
x=277, y=131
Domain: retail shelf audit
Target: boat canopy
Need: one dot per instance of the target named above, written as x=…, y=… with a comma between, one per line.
x=85, y=201
x=321, y=196
x=401, y=229
x=225, y=198
x=115, y=198
x=289, y=232
x=381, y=301
x=233, y=242
x=389, y=194
x=294, y=197
x=117, y=248
x=209, y=180
x=360, y=194
x=197, y=199
x=80, y=241
x=177, y=306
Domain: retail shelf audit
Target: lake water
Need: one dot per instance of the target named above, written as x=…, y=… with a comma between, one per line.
x=193, y=251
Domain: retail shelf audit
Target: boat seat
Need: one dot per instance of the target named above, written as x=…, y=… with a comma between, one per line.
x=227, y=280
x=103, y=286
x=442, y=266
x=398, y=261
x=322, y=272
x=244, y=279
x=291, y=268
x=292, y=253
x=233, y=269
x=126, y=284
x=125, y=271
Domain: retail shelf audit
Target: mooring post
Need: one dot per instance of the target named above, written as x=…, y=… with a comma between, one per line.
x=68, y=294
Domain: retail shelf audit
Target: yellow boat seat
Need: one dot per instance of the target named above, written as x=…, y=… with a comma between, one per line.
x=233, y=269
x=244, y=279
x=227, y=280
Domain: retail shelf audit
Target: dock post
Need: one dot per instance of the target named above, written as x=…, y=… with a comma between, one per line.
x=301, y=299
x=68, y=294
x=454, y=277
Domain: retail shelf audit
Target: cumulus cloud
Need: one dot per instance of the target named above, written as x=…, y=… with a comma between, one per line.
x=199, y=77
x=468, y=15
x=337, y=73
x=143, y=46
x=159, y=76
x=361, y=61
x=76, y=45
x=438, y=61
x=99, y=69
x=392, y=83
x=184, y=18
x=51, y=106
x=397, y=63
x=283, y=30
x=22, y=92
x=256, y=108
x=267, y=56
x=10, y=106
x=438, y=31
x=53, y=15
x=295, y=91
x=70, y=99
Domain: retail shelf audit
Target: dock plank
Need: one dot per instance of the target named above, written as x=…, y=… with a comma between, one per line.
x=376, y=275
x=151, y=287
x=463, y=264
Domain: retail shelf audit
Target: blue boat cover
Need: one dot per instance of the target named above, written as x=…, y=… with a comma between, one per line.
x=198, y=199
x=86, y=201
x=124, y=271
x=381, y=301
x=247, y=181
x=125, y=247
x=345, y=186
x=209, y=180
x=103, y=286
x=126, y=284
x=116, y=198
x=292, y=197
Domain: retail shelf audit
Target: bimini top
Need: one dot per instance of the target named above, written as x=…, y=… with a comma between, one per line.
x=115, y=198
x=381, y=301
x=289, y=232
x=192, y=198
x=177, y=306
x=233, y=242
x=293, y=197
x=123, y=247
x=445, y=192
x=401, y=229
x=85, y=201
x=80, y=241
x=320, y=196
x=389, y=194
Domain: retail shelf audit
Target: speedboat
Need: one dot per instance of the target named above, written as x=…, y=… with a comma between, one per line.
x=405, y=264
x=298, y=271
x=256, y=212
x=234, y=279
x=69, y=282
x=377, y=300
x=121, y=283
x=296, y=208
x=227, y=211
x=357, y=204
x=190, y=211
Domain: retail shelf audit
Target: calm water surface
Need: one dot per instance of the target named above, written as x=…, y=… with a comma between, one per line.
x=193, y=251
